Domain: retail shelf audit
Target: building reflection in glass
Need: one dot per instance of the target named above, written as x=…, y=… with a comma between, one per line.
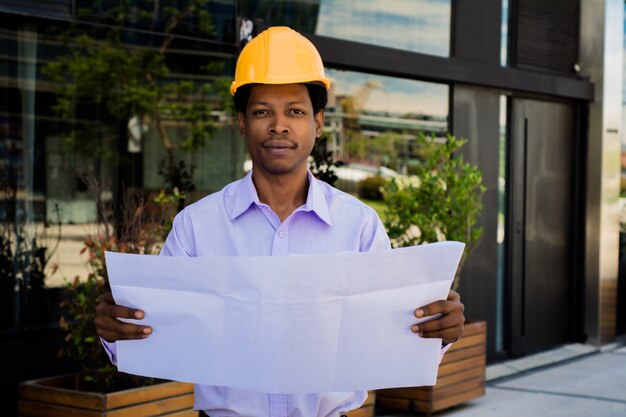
x=413, y=25
x=372, y=121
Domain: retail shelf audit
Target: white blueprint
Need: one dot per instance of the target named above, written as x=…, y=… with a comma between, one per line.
x=291, y=324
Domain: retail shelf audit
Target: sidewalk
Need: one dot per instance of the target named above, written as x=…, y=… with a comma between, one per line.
x=572, y=381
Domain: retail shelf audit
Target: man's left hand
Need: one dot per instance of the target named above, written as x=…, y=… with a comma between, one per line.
x=449, y=326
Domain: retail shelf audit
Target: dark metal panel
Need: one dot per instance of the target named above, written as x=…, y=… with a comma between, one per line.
x=380, y=60
x=546, y=34
x=515, y=230
x=47, y=8
x=476, y=118
x=476, y=30
x=543, y=278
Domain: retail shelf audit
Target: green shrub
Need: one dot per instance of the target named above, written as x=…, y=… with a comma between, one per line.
x=443, y=204
x=371, y=188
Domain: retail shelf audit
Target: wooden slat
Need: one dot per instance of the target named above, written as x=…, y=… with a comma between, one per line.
x=61, y=391
x=456, y=383
x=186, y=413
x=473, y=340
x=144, y=394
x=362, y=412
x=172, y=407
x=409, y=393
x=455, y=389
x=404, y=404
x=59, y=396
x=155, y=408
x=412, y=405
x=460, y=376
x=34, y=409
x=475, y=327
x=460, y=354
x=458, y=399
x=450, y=368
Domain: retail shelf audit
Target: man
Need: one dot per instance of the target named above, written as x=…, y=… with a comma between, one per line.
x=279, y=208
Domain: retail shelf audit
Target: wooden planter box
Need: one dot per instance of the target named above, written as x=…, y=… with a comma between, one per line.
x=57, y=397
x=461, y=377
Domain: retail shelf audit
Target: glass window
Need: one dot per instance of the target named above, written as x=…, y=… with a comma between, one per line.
x=504, y=34
x=372, y=122
x=78, y=103
x=413, y=25
x=204, y=19
x=299, y=15
x=501, y=236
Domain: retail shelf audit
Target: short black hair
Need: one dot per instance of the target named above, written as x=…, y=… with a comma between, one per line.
x=317, y=94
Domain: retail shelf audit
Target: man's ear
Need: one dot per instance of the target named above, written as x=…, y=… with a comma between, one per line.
x=319, y=123
x=242, y=123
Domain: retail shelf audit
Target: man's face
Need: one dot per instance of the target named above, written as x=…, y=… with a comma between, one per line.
x=280, y=128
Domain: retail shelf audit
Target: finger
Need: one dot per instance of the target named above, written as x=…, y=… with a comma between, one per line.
x=447, y=335
x=108, y=307
x=450, y=320
x=123, y=312
x=448, y=330
x=117, y=330
x=112, y=337
x=442, y=306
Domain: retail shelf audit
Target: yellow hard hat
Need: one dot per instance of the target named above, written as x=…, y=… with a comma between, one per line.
x=279, y=55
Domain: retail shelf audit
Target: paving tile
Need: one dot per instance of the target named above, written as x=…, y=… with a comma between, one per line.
x=580, y=348
x=546, y=358
x=596, y=376
x=494, y=372
x=510, y=403
x=592, y=385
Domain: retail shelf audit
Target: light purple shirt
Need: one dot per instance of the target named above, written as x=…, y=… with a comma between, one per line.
x=234, y=222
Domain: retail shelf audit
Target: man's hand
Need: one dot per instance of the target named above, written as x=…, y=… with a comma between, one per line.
x=449, y=326
x=111, y=329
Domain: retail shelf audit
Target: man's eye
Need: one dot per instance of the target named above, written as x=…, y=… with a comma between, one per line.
x=260, y=112
x=296, y=111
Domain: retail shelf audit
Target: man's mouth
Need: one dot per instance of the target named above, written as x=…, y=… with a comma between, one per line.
x=279, y=144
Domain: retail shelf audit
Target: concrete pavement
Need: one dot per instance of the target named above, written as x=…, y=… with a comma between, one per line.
x=573, y=381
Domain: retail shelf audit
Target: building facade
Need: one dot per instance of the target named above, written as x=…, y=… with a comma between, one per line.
x=534, y=86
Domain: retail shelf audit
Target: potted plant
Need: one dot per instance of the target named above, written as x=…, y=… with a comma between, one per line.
x=99, y=388
x=442, y=202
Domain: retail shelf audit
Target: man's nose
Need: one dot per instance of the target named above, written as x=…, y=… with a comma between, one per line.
x=279, y=125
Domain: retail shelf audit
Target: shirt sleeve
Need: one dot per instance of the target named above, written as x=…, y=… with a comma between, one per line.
x=374, y=237
x=174, y=244
x=111, y=349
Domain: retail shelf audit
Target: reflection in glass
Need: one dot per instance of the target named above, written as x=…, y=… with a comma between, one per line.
x=104, y=104
x=502, y=215
x=412, y=25
x=504, y=34
x=299, y=15
x=203, y=19
x=372, y=122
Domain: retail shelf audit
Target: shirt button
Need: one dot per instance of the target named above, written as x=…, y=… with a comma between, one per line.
x=281, y=234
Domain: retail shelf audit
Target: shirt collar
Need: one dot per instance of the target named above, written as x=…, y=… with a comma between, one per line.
x=246, y=195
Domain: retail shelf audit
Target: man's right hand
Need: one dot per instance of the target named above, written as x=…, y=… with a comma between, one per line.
x=111, y=329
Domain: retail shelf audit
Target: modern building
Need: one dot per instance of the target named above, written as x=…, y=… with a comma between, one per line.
x=535, y=86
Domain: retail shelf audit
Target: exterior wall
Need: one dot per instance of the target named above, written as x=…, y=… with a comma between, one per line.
x=601, y=58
